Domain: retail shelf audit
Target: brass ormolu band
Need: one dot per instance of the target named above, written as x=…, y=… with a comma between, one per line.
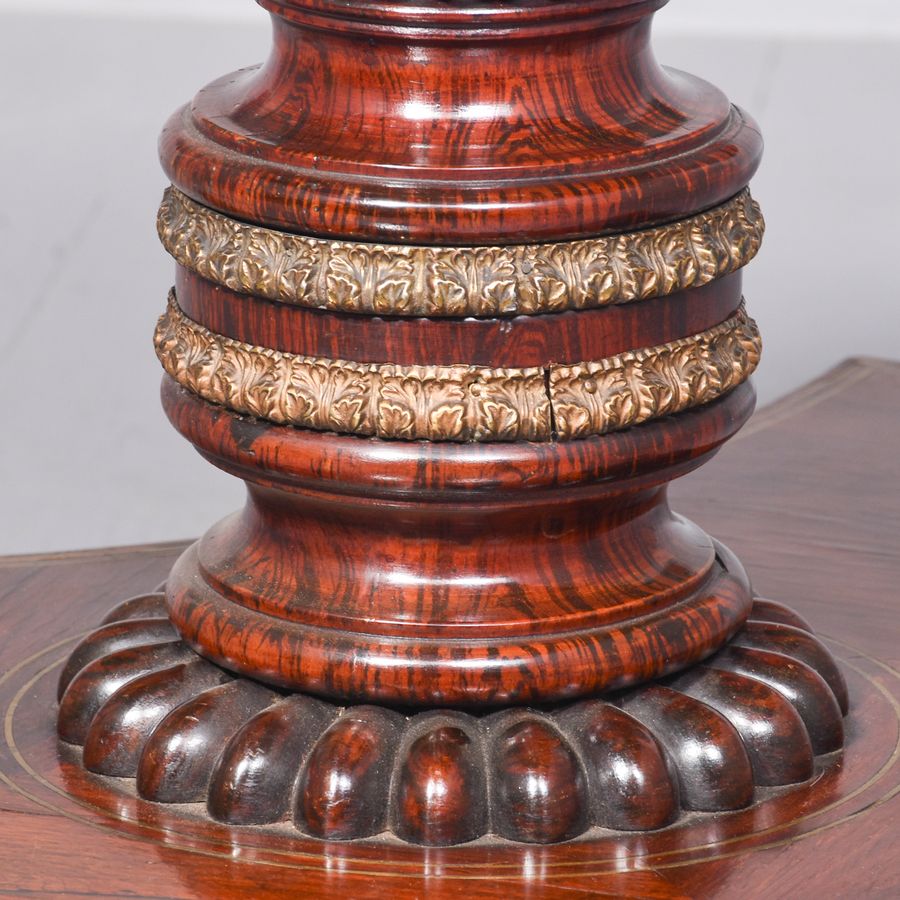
x=384, y=279
x=458, y=403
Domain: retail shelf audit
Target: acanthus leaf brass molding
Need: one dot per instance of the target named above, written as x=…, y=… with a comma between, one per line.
x=458, y=403
x=523, y=279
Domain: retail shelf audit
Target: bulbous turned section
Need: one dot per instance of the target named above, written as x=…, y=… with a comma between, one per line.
x=704, y=741
x=426, y=575
x=451, y=123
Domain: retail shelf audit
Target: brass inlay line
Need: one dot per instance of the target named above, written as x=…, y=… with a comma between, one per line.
x=460, y=402
x=388, y=279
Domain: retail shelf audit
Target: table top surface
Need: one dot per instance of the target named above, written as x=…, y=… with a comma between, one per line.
x=808, y=495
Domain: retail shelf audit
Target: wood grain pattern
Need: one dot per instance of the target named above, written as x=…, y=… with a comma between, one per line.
x=254, y=778
x=480, y=588
x=442, y=793
x=500, y=584
x=177, y=762
x=702, y=742
x=378, y=124
x=815, y=535
x=345, y=786
x=772, y=731
x=520, y=341
x=432, y=162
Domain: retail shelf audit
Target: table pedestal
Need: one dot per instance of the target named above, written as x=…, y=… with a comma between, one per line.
x=830, y=548
x=458, y=294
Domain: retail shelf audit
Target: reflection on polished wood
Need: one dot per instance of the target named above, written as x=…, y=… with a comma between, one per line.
x=822, y=536
x=753, y=715
x=457, y=611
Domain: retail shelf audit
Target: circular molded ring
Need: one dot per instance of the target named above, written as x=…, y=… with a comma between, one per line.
x=469, y=22
x=397, y=471
x=382, y=202
x=525, y=279
x=704, y=741
x=484, y=671
x=458, y=403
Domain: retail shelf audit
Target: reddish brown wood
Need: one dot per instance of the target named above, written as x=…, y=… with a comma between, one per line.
x=702, y=741
x=801, y=684
x=800, y=645
x=345, y=786
x=431, y=591
x=98, y=682
x=425, y=574
x=416, y=573
x=376, y=473
x=817, y=535
x=118, y=731
x=522, y=341
x=254, y=779
x=178, y=759
x=453, y=124
x=771, y=729
x=442, y=794
x=635, y=786
x=714, y=771
x=540, y=784
x=112, y=637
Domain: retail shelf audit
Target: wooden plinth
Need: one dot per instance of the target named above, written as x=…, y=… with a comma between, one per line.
x=820, y=537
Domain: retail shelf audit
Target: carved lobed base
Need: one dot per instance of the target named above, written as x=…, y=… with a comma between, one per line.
x=145, y=706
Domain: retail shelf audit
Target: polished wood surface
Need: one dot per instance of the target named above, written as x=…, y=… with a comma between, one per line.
x=474, y=123
x=813, y=511
x=456, y=575
x=709, y=740
x=535, y=340
x=479, y=555
x=421, y=574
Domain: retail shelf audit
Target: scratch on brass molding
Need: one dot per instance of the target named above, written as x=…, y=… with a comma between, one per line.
x=460, y=281
x=458, y=403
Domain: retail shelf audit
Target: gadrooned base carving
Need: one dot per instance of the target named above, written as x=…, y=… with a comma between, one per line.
x=144, y=706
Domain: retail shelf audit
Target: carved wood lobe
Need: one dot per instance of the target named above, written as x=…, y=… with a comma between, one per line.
x=442, y=789
x=701, y=741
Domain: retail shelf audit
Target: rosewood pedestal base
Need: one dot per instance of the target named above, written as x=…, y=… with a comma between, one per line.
x=458, y=294
x=823, y=537
x=447, y=644
x=755, y=715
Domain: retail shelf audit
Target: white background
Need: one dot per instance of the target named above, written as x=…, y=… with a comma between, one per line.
x=87, y=458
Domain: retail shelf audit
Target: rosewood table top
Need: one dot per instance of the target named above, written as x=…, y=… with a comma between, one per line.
x=808, y=495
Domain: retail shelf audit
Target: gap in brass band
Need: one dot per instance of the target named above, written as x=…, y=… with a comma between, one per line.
x=525, y=279
x=459, y=402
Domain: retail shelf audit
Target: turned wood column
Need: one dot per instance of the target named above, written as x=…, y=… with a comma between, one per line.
x=481, y=530
x=458, y=293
